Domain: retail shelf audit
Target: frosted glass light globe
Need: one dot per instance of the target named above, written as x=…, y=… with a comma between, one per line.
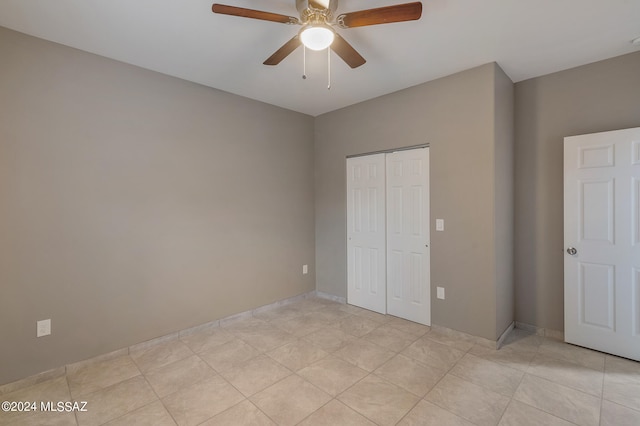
x=317, y=37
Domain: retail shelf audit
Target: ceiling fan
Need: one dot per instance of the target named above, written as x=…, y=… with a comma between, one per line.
x=317, y=20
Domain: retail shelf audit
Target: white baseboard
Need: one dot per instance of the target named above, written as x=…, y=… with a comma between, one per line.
x=539, y=331
x=328, y=296
x=504, y=335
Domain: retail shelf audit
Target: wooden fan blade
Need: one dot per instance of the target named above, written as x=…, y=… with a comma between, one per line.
x=284, y=51
x=347, y=52
x=255, y=14
x=381, y=15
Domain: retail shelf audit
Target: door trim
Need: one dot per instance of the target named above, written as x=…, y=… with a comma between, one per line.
x=389, y=151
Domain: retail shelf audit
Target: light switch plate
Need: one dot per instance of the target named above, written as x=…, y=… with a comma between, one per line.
x=305, y=269
x=440, y=292
x=439, y=224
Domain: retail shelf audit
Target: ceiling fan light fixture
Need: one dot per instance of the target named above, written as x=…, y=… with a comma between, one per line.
x=316, y=36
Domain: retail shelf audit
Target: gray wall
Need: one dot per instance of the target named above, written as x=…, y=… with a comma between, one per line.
x=456, y=115
x=593, y=98
x=504, y=193
x=133, y=204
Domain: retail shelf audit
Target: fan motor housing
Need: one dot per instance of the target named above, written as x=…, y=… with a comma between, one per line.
x=304, y=6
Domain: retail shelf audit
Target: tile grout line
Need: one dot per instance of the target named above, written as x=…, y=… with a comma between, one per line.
x=372, y=373
x=511, y=397
x=537, y=352
x=436, y=384
x=604, y=377
x=75, y=413
x=558, y=384
x=156, y=394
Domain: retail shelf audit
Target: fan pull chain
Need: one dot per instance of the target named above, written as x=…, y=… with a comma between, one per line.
x=328, y=68
x=304, y=62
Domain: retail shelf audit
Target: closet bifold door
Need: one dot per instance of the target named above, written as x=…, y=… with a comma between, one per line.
x=366, y=245
x=408, y=237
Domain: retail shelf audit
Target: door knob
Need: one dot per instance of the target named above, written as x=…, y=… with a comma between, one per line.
x=572, y=251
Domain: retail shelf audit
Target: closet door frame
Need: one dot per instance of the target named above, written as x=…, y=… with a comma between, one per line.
x=367, y=244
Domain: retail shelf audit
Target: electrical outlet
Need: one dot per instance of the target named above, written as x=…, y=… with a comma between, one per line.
x=43, y=328
x=440, y=292
x=305, y=269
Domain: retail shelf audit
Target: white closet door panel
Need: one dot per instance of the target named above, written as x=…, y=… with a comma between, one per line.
x=408, y=277
x=366, y=255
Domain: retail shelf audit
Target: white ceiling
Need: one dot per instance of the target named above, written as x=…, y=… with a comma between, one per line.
x=183, y=38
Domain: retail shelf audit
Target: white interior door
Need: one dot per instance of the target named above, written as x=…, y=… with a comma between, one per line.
x=602, y=241
x=408, y=268
x=366, y=239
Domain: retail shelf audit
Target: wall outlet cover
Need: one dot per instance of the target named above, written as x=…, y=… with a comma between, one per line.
x=43, y=328
x=440, y=292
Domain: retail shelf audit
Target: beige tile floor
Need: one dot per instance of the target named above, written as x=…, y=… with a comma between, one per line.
x=318, y=362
